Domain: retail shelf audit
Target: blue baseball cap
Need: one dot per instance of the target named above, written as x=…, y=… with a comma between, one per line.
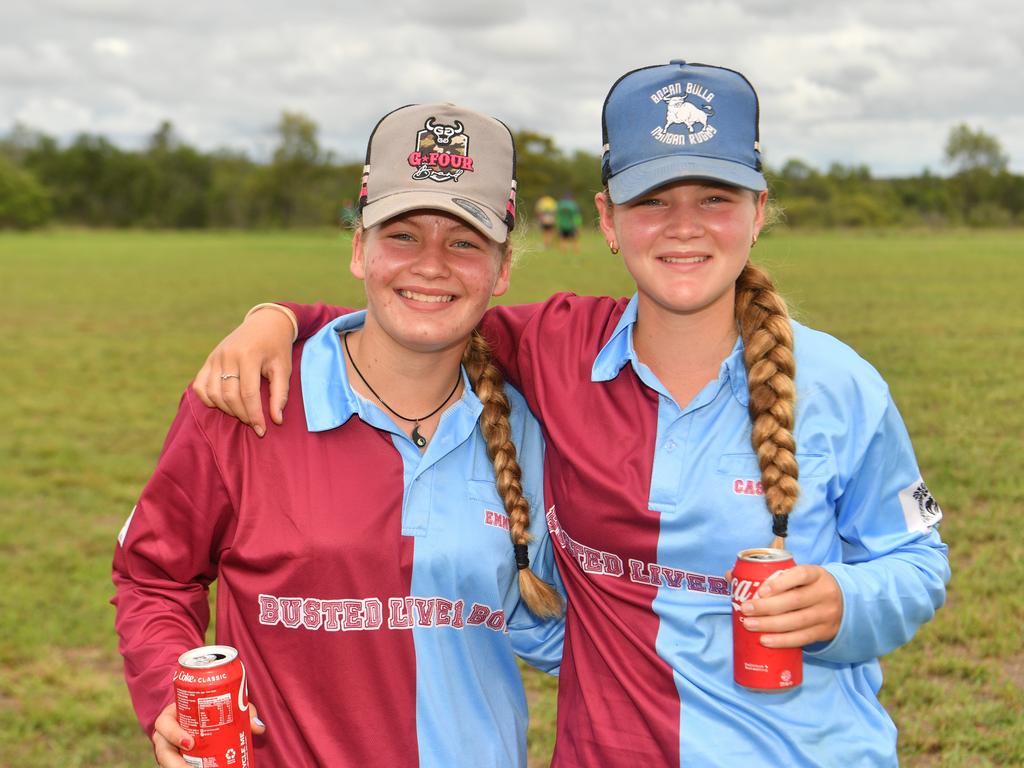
x=680, y=121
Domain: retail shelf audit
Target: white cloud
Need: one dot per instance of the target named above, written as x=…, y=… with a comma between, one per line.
x=47, y=113
x=113, y=46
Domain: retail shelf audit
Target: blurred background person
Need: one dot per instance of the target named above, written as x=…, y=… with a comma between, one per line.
x=545, y=211
x=569, y=219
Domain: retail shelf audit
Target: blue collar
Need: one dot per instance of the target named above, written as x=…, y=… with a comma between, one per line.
x=327, y=396
x=618, y=351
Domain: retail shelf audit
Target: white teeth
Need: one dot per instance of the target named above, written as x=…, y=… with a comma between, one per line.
x=687, y=260
x=428, y=298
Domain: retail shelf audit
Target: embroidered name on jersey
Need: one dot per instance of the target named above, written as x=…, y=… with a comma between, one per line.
x=747, y=487
x=497, y=519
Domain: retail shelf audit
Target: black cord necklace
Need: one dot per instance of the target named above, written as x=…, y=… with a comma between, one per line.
x=417, y=438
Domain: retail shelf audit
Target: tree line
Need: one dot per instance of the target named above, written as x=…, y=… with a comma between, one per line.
x=168, y=184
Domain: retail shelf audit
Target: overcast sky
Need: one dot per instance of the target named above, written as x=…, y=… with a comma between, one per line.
x=878, y=82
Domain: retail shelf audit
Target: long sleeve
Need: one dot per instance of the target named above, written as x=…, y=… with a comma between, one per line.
x=165, y=560
x=313, y=317
x=504, y=328
x=515, y=333
x=536, y=641
x=895, y=566
x=529, y=341
x=539, y=642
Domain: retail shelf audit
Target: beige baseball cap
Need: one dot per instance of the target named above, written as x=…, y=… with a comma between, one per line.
x=441, y=157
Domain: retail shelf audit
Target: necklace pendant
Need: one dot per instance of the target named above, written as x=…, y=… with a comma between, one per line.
x=417, y=438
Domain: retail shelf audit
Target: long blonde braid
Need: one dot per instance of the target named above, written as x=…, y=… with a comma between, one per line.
x=763, y=321
x=489, y=385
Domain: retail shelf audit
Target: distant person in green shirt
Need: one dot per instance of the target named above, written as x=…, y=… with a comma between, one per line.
x=545, y=210
x=569, y=219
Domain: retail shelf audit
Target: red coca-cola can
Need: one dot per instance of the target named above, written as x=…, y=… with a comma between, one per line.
x=755, y=667
x=213, y=707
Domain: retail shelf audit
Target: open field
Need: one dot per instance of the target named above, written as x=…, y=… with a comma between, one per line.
x=102, y=331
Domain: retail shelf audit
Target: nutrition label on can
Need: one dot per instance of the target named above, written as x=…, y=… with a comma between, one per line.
x=215, y=711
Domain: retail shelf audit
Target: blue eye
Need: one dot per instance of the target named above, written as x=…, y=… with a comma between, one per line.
x=470, y=244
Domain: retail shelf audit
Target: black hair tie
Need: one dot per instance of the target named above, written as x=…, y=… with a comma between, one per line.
x=522, y=556
x=780, y=525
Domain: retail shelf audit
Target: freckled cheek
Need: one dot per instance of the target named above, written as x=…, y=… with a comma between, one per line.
x=378, y=276
x=477, y=282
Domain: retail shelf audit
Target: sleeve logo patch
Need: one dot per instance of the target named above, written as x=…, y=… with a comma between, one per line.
x=920, y=509
x=124, y=528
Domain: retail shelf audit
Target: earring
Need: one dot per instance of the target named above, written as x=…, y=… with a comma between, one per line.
x=613, y=247
x=753, y=241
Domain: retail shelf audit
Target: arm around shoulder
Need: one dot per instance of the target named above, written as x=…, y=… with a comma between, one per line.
x=537, y=641
x=260, y=347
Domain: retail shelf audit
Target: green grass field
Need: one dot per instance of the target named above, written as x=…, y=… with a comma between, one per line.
x=102, y=331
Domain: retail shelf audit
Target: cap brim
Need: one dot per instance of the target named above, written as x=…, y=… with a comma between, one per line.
x=481, y=217
x=643, y=177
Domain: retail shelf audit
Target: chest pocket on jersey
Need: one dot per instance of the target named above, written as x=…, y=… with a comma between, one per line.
x=744, y=466
x=740, y=483
x=484, y=498
x=486, y=504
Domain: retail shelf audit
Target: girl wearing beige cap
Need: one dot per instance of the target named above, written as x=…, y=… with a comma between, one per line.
x=363, y=556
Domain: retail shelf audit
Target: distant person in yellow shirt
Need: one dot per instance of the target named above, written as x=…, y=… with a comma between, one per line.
x=545, y=210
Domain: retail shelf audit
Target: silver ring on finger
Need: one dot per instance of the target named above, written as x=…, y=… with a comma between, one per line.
x=226, y=376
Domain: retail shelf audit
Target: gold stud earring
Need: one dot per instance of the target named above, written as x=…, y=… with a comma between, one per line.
x=613, y=247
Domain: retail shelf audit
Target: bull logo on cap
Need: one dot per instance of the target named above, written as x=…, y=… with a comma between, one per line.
x=682, y=109
x=683, y=112
x=442, y=152
x=443, y=134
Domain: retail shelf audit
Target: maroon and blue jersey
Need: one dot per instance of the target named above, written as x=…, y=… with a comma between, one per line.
x=648, y=502
x=371, y=590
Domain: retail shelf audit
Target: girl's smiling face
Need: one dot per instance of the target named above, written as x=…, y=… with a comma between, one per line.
x=429, y=277
x=685, y=243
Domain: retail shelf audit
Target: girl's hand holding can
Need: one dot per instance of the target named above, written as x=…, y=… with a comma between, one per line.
x=802, y=605
x=169, y=737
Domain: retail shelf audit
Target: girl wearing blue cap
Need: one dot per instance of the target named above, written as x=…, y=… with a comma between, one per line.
x=682, y=425
x=364, y=565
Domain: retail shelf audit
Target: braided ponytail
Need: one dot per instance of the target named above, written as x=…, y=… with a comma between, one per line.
x=540, y=598
x=763, y=321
